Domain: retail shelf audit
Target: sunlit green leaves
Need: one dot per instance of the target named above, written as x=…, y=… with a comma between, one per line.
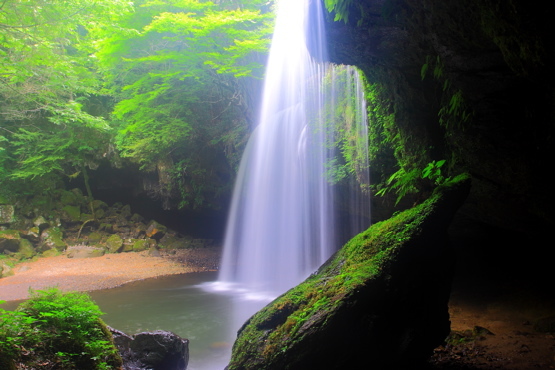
x=56, y=330
x=340, y=8
x=158, y=79
x=47, y=76
x=174, y=67
x=41, y=42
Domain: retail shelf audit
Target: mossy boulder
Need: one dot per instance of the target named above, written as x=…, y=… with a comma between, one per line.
x=9, y=240
x=137, y=218
x=41, y=223
x=125, y=211
x=138, y=231
x=379, y=302
x=5, y=270
x=140, y=245
x=172, y=241
x=72, y=213
x=99, y=205
x=72, y=197
x=85, y=217
x=53, y=238
x=95, y=237
x=106, y=227
x=128, y=245
x=51, y=252
x=33, y=234
x=99, y=213
x=114, y=243
x=155, y=230
x=7, y=213
x=25, y=250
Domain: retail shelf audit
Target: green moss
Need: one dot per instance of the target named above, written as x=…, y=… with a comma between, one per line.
x=114, y=243
x=25, y=250
x=141, y=244
x=95, y=237
x=53, y=238
x=51, y=253
x=73, y=213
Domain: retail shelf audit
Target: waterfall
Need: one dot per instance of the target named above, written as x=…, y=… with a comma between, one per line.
x=283, y=222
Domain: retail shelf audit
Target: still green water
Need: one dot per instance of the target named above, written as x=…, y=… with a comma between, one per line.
x=178, y=304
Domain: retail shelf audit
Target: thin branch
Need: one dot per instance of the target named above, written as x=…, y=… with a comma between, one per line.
x=5, y=129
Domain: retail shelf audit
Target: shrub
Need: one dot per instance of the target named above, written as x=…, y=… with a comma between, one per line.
x=55, y=329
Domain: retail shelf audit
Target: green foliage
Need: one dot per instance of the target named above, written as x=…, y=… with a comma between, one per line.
x=49, y=87
x=410, y=182
x=344, y=116
x=44, y=61
x=350, y=10
x=433, y=171
x=392, y=150
x=416, y=168
x=340, y=8
x=40, y=152
x=177, y=70
x=61, y=330
x=402, y=182
x=453, y=111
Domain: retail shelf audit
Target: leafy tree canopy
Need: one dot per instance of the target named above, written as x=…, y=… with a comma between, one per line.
x=164, y=82
x=47, y=78
x=177, y=68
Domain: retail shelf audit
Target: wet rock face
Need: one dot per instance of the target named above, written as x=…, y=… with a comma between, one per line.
x=158, y=350
x=497, y=56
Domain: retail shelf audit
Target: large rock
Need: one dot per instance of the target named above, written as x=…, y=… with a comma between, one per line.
x=25, y=250
x=140, y=245
x=9, y=240
x=52, y=238
x=5, y=269
x=380, y=302
x=155, y=230
x=158, y=350
x=72, y=213
x=41, y=223
x=6, y=214
x=72, y=197
x=114, y=243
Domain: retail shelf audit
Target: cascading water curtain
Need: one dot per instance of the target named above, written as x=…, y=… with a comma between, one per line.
x=283, y=223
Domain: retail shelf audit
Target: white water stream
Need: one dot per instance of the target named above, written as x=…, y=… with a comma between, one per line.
x=283, y=222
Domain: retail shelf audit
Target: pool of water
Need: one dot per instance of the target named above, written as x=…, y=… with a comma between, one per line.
x=179, y=304
x=194, y=306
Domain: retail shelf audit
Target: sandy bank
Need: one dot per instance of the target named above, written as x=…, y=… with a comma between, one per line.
x=104, y=272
